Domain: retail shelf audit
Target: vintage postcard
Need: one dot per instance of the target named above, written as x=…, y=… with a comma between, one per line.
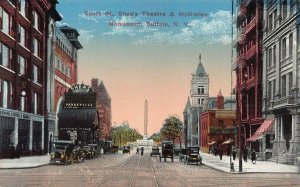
x=149, y=92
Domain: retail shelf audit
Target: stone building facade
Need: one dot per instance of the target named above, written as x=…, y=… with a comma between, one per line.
x=199, y=93
x=281, y=49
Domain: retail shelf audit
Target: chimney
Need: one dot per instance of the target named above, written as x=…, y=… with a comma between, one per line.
x=94, y=84
x=220, y=100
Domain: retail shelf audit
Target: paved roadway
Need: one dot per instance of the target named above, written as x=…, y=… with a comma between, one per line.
x=136, y=170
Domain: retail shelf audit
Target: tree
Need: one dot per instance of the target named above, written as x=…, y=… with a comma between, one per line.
x=123, y=134
x=172, y=128
x=156, y=137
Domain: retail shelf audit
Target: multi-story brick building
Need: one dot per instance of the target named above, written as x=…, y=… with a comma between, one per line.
x=103, y=105
x=217, y=124
x=281, y=49
x=64, y=67
x=23, y=62
x=248, y=67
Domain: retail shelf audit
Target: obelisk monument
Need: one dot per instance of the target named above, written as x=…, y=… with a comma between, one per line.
x=145, y=119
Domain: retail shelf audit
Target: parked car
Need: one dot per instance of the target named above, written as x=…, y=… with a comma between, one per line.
x=79, y=154
x=62, y=152
x=193, y=155
x=167, y=151
x=88, y=151
x=96, y=150
x=126, y=149
x=155, y=151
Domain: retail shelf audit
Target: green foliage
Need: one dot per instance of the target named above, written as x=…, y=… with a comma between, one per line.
x=172, y=128
x=123, y=134
x=156, y=137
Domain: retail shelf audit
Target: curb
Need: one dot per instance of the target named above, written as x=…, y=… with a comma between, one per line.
x=27, y=167
x=247, y=172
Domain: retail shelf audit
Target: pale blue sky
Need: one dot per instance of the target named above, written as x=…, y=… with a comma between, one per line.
x=153, y=63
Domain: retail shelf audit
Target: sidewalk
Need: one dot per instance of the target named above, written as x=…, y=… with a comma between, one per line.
x=260, y=166
x=24, y=162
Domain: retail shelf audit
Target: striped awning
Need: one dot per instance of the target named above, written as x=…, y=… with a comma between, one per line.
x=264, y=128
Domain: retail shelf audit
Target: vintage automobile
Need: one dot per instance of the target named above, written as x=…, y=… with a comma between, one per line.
x=126, y=149
x=62, y=152
x=167, y=151
x=114, y=149
x=88, y=151
x=107, y=147
x=96, y=149
x=155, y=151
x=182, y=155
x=78, y=154
x=193, y=155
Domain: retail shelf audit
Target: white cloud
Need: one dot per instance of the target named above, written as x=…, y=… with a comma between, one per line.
x=215, y=28
x=85, y=36
x=89, y=18
x=59, y=23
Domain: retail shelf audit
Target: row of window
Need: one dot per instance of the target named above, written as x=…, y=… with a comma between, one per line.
x=285, y=86
x=274, y=19
x=286, y=50
x=6, y=25
x=63, y=47
x=23, y=8
x=8, y=96
x=62, y=67
x=21, y=66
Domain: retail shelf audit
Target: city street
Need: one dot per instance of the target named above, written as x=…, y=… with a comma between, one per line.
x=136, y=170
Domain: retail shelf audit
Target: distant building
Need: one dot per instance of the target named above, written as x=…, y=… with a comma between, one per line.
x=198, y=97
x=217, y=123
x=103, y=105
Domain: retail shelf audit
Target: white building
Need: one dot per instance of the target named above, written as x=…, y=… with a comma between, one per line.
x=198, y=97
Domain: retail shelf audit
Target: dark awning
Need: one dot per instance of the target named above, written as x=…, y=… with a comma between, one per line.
x=264, y=128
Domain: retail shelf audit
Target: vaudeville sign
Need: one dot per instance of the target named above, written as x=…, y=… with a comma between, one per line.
x=80, y=96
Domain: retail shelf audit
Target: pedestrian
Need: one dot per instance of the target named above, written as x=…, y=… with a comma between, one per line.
x=234, y=154
x=137, y=151
x=245, y=153
x=142, y=151
x=220, y=153
x=253, y=156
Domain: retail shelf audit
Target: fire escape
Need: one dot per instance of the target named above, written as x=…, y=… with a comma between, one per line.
x=248, y=65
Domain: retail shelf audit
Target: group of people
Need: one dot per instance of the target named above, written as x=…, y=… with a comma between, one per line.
x=245, y=155
x=253, y=155
x=217, y=150
x=138, y=151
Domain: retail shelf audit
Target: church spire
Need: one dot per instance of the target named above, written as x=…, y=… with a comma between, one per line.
x=200, y=69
